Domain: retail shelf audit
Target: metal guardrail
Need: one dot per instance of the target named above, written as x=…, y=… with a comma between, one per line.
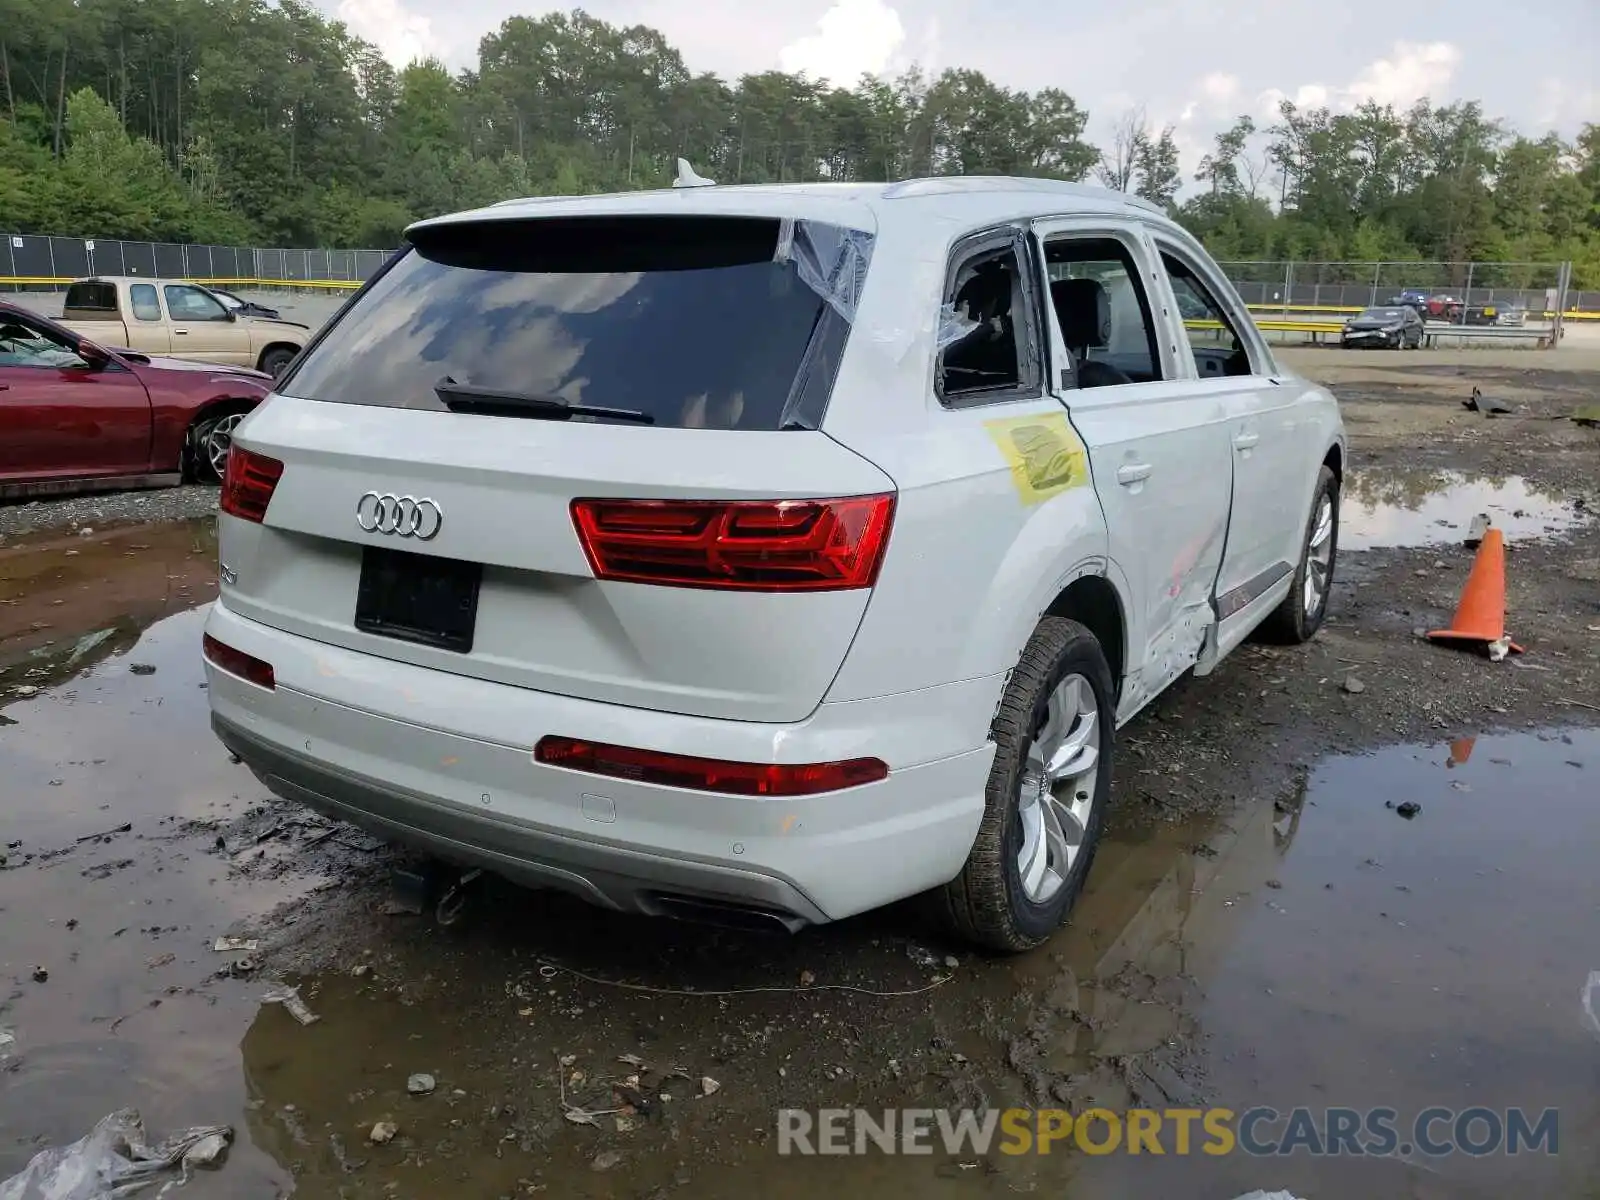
x=1571, y=314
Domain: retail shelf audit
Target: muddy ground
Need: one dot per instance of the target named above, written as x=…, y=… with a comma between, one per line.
x=1261, y=927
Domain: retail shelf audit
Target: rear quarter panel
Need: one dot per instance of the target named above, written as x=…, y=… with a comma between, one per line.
x=975, y=557
x=979, y=548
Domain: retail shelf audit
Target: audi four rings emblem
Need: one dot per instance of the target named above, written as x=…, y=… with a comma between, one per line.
x=404, y=516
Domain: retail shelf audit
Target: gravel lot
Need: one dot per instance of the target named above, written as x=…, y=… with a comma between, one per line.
x=107, y=509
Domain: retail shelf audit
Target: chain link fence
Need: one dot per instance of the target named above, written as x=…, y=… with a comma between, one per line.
x=30, y=261
x=1535, y=291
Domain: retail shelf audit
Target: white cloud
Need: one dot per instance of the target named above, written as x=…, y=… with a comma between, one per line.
x=400, y=34
x=1416, y=70
x=1219, y=87
x=1564, y=104
x=1412, y=71
x=1307, y=95
x=853, y=38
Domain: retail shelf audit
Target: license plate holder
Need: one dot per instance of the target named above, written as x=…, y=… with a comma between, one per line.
x=418, y=598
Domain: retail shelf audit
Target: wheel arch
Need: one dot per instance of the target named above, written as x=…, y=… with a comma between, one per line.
x=271, y=347
x=218, y=406
x=1093, y=601
x=1334, y=461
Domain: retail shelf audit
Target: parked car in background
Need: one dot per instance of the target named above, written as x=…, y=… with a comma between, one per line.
x=177, y=319
x=660, y=548
x=1443, y=307
x=1398, y=327
x=240, y=306
x=1413, y=298
x=79, y=416
x=1481, y=314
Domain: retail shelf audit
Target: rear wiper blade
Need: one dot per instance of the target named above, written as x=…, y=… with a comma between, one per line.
x=470, y=398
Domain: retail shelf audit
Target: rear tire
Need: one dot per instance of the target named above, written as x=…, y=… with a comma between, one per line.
x=1036, y=842
x=1303, y=610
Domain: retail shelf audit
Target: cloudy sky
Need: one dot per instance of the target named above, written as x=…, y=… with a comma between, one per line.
x=1191, y=63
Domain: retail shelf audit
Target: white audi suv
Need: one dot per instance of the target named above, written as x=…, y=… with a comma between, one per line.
x=764, y=553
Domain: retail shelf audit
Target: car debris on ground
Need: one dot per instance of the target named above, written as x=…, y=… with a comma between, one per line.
x=1478, y=402
x=289, y=997
x=114, y=1159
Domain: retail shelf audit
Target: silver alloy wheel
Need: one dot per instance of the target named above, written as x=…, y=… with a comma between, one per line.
x=1319, y=555
x=1060, y=776
x=219, y=439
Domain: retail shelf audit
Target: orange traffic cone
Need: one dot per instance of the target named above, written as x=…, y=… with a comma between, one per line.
x=1481, y=616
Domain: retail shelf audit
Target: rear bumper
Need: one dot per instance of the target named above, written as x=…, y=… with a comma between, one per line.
x=443, y=763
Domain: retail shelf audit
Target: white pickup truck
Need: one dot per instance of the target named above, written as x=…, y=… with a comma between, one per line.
x=179, y=320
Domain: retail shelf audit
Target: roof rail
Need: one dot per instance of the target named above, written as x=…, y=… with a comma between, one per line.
x=1141, y=202
x=1021, y=183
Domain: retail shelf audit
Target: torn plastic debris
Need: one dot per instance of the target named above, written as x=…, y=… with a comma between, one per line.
x=830, y=260
x=1591, y=990
x=289, y=997
x=233, y=945
x=1260, y=1195
x=114, y=1159
x=954, y=325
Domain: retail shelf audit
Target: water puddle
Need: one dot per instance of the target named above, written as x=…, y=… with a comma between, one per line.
x=110, y=895
x=1317, y=948
x=68, y=601
x=1423, y=508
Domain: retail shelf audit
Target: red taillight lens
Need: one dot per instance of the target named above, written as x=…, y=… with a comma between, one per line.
x=248, y=483
x=236, y=662
x=753, y=545
x=707, y=774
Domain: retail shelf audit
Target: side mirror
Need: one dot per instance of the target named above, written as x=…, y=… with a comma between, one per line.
x=96, y=356
x=232, y=315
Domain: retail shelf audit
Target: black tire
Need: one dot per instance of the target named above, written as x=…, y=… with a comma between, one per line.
x=276, y=358
x=986, y=904
x=1290, y=623
x=204, y=440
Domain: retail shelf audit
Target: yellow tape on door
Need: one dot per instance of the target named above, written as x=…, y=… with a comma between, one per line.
x=1045, y=454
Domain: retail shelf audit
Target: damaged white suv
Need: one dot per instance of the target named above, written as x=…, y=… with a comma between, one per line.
x=764, y=554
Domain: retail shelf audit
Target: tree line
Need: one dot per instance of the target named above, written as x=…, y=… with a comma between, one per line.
x=248, y=122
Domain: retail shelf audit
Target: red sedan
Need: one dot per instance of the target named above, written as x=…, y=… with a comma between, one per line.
x=75, y=416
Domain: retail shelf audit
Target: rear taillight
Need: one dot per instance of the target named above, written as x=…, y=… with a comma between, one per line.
x=753, y=545
x=707, y=774
x=248, y=483
x=236, y=662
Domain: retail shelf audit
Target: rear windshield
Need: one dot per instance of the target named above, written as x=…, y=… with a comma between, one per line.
x=716, y=323
x=101, y=297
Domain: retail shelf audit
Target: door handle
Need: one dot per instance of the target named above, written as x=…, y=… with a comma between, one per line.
x=180, y=331
x=1132, y=473
x=1246, y=440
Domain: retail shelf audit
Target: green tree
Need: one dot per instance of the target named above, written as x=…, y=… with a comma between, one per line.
x=1156, y=173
